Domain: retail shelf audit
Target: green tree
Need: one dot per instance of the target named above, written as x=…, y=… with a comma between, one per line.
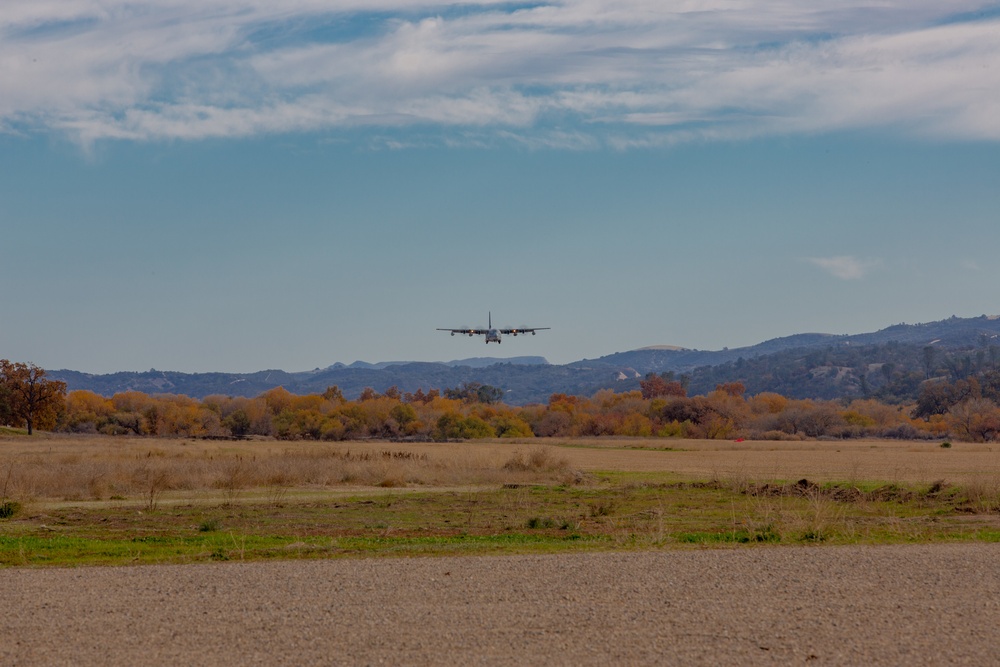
x=238, y=423
x=30, y=396
x=474, y=392
x=454, y=426
x=404, y=414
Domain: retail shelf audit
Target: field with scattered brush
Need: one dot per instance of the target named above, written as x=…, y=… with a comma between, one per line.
x=69, y=500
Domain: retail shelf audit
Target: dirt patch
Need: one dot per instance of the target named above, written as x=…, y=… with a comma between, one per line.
x=914, y=605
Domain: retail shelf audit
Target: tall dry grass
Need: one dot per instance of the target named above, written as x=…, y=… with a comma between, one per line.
x=147, y=470
x=982, y=493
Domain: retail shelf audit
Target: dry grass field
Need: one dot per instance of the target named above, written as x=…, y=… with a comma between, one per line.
x=93, y=468
x=842, y=460
x=95, y=499
x=66, y=467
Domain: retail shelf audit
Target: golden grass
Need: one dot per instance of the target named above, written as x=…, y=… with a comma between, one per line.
x=841, y=460
x=63, y=467
x=108, y=468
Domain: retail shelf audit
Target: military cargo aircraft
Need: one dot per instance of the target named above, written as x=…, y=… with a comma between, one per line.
x=493, y=334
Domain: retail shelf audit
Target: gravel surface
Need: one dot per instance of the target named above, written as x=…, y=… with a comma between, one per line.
x=914, y=605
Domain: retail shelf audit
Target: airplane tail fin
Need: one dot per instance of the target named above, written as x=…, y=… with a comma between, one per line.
x=491, y=320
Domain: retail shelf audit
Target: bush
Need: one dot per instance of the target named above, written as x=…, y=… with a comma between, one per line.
x=775, y=435
x=511, y=426
x=907, y=432
x=209, y=526
x=455, y=426
x=537, y=460
x=553, y=423
x=9, y=508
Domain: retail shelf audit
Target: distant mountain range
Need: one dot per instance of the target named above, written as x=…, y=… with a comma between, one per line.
x=472, y=362
x=800, y=365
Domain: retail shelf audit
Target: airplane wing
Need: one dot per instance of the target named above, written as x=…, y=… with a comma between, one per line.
x=521, y=330
x=467, y=332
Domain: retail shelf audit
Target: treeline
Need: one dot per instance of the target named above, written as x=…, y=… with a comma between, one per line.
x=965, y=409
x=659, y=409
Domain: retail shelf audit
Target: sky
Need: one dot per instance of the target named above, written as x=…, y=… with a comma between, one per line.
x=238, y=185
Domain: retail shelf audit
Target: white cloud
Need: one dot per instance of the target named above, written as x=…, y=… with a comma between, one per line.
x=614, y=72
x=845, y=267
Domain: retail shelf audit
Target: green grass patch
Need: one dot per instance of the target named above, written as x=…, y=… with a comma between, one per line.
x=624, y=511
x=988, y=535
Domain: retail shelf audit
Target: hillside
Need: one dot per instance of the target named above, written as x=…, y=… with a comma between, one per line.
x=890, y=363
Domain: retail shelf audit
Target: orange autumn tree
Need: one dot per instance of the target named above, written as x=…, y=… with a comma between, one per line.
x=30, y=397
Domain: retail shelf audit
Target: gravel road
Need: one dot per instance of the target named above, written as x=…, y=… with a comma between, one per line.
x=914, y=605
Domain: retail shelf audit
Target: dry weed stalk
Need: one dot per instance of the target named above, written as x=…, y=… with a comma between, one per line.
x=6, y=480
x=539, y=459
x=153, y=481
x=234, y=476
x=823, y=515
x=982, y=492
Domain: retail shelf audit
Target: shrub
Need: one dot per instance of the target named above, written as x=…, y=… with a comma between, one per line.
x=511, y=426
x=553, y=423
x=9, y=508
x=775, y=435
x=209, y=526
x=907, y=432
x=537, y=460
x=455, y=426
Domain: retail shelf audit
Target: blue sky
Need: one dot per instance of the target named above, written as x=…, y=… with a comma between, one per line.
x=236, y=185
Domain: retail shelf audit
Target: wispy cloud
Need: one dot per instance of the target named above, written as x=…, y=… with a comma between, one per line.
x=613, y=72
x=845, y=267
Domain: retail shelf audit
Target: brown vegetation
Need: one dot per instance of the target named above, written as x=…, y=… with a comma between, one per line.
x=103, y=468
x=27, y=396
x=73, y=499
x=661, y=409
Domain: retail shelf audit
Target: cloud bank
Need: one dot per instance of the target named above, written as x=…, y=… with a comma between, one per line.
x=845, y=267
x=575, y=73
